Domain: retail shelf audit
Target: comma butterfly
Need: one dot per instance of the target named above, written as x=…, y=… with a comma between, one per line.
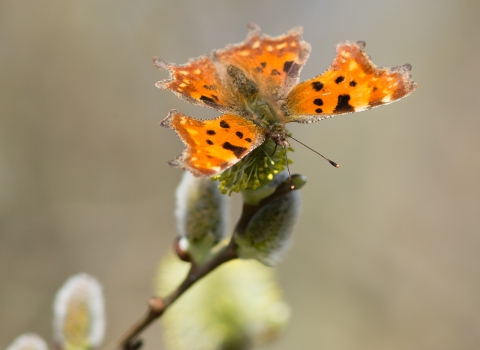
x=255, y=84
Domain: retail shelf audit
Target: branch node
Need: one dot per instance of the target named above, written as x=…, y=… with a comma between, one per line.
x=156, y=304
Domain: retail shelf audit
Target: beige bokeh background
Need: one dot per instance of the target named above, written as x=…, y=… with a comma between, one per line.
x=387, y=250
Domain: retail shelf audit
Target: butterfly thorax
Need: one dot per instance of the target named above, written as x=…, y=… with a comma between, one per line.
x=256, y=106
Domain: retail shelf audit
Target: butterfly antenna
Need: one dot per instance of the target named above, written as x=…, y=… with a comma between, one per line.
x=311, y=149
x=275, y=150
x=292, y=186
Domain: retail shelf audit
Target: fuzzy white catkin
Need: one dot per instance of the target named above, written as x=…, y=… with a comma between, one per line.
x=28, y=341
x=268, y=233
x=201, y=212
x=81, y=290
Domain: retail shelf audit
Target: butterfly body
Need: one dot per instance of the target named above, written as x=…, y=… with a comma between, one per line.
x=255, y=85
x=257, y=108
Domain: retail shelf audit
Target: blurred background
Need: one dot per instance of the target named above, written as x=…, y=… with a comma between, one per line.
x=387, y=250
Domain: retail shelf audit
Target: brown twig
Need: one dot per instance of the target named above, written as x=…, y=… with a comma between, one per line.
x=157, y=305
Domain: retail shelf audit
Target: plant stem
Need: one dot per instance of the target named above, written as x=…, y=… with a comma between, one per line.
x=157, y=305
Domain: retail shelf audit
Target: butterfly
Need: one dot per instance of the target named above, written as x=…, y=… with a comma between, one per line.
x=255, y=84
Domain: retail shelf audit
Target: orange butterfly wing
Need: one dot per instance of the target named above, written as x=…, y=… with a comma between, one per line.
x=351, y=84
x=274, y=64
x=213, y=145
x=197, y=82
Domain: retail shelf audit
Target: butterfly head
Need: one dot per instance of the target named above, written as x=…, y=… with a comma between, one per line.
x=279, y=135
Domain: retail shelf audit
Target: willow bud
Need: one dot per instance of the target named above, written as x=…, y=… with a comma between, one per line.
x=28, y=342
x=201, y=214
x=268, y=233
x=79, y=316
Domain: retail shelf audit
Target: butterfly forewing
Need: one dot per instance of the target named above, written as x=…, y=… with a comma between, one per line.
x=351, y=84
x=274, y=64
x=198, y=82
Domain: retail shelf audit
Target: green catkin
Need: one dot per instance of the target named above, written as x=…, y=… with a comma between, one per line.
x=260, y=165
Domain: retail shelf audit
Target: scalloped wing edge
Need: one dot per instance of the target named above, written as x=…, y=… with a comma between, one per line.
x=179, y=162
x=404, y=70
x=163, y=84
x=255, y=30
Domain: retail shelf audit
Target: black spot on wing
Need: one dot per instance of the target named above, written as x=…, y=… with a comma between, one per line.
x=211, y=132
x=287, y=65
x=224, y=124
x=291, y=68
x=248, y=139
x=239, y=134
x=318, y=102
x=275, y=72
x=207, y=100
x=237, y=150
x=318, y=110
x=210, y=142
x=317, y=86
x=343, y=105
x=263, y=64
x=353, y=83
x=339, y=79
x=210, y=87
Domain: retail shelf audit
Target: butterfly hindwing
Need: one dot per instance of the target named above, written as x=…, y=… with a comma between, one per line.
x=213, y=145
x=351, y=84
